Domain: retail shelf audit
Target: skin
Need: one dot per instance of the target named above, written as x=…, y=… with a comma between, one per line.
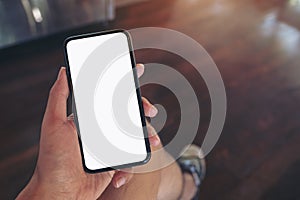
x=59, y=173
x=162, y=184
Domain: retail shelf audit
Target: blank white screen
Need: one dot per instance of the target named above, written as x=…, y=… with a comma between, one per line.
x=112, y=146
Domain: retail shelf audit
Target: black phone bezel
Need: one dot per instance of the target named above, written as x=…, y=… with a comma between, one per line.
x=138, y=93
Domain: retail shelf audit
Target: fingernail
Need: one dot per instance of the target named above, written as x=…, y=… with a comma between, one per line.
x=153, y=111
x=121, y=181
x=140, y=69
x=155, y=141
x=60, y=72
x=71, y=117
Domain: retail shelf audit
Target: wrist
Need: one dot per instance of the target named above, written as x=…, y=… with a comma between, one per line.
x=37, y=189
x=31, y=191
x=37, y=192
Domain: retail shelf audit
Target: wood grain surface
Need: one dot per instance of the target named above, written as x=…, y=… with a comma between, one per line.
x=256, y=46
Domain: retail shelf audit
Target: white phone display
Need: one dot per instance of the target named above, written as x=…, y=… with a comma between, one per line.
x=106, y=101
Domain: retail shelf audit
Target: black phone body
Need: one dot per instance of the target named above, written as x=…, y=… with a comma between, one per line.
x=105, y=145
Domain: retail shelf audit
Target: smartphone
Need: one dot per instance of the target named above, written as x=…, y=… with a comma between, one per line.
x=106, y=101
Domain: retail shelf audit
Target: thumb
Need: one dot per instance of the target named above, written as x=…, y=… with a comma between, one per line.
x=57, y=102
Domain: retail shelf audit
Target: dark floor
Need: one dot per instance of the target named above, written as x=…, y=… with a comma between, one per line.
x=256, y=46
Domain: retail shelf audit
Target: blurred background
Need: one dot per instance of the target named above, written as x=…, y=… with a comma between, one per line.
x=255, y=44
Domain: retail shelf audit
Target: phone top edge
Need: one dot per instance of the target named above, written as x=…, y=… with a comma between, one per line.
x=92, y=34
